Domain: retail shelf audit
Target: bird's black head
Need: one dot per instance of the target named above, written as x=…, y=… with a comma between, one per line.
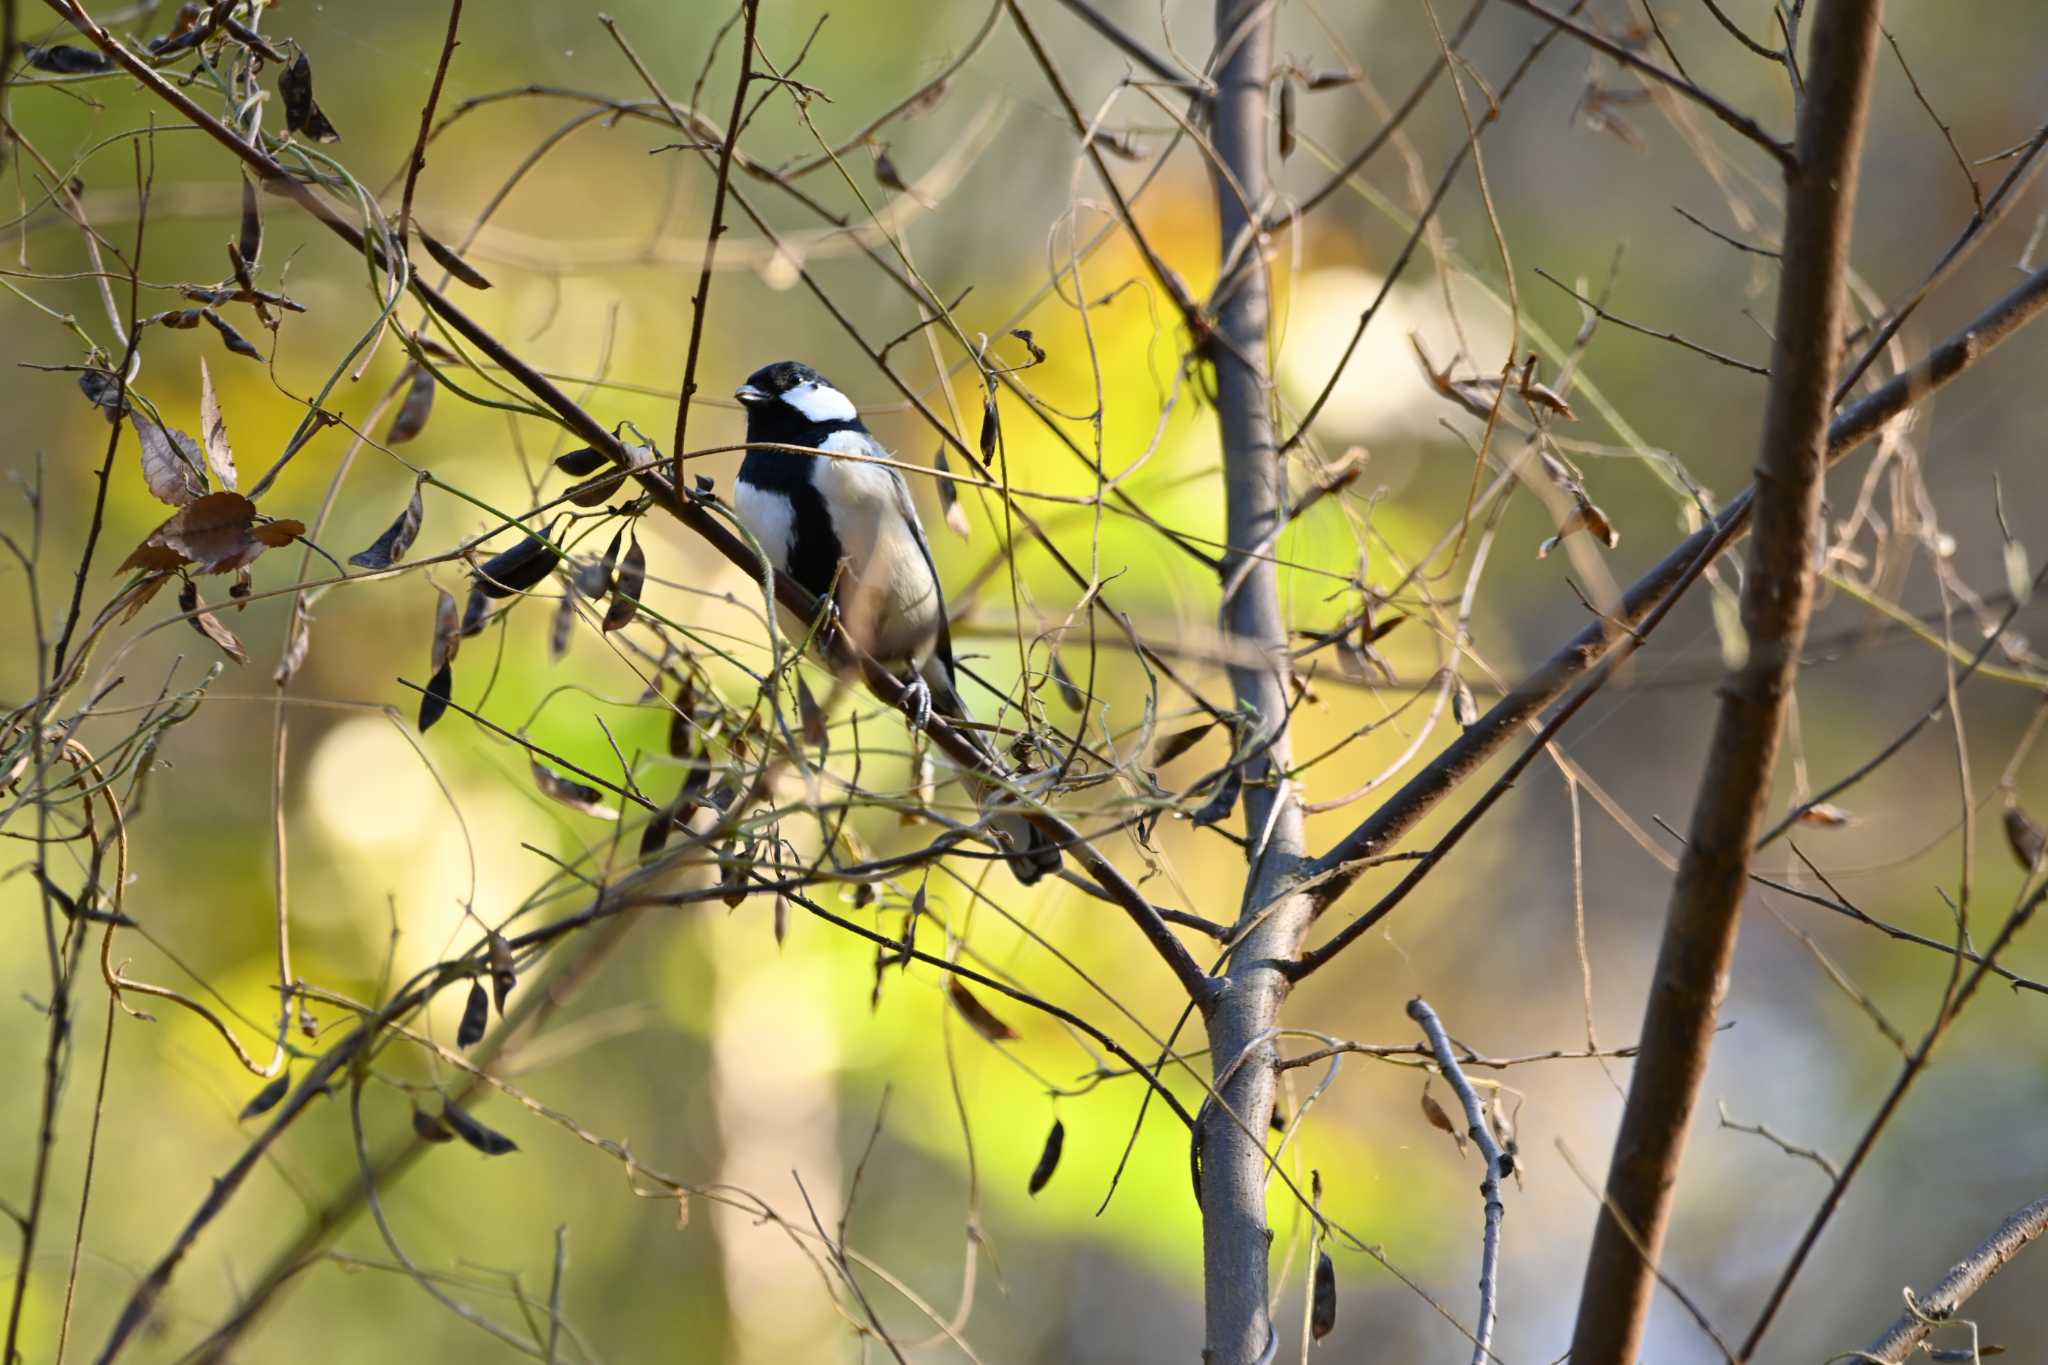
x=793, y=404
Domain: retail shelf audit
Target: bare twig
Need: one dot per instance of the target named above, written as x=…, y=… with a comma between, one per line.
x=1498, y=1164
x=1902, y=1339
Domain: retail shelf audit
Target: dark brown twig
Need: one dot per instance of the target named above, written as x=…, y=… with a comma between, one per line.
x=1730, y=361
x=418, y=160
x=751, y=9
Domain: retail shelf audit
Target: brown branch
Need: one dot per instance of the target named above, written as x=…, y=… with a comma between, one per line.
x=1706, y=900
x=1902, y=1339
x=751, y=8
x=417, y=162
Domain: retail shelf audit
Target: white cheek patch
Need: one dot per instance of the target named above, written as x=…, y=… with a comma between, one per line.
x=771, y=517
x=821, y=402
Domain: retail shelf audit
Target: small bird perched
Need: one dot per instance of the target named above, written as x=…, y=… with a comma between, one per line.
x=847, y=530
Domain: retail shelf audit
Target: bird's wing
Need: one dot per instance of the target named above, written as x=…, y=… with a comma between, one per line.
x=943, y=645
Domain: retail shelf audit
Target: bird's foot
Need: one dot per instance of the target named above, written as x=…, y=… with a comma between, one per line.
x=917, y=703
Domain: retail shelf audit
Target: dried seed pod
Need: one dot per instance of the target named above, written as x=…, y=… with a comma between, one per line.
x=266, y=1099
x=1322, y=1313
x=476, y=1016
x=427, y=1128
x=578, y=464
x=250, y=242
x=390, y=547
x=449, y=260
x=977, y=1014
x=627, y=588
x=434, y=700
x=504, y=976
x=1048, y=1158
x=301, y=111
x=489, y=1141
x=417, y=407
x=2026, y=838
x=519, y=568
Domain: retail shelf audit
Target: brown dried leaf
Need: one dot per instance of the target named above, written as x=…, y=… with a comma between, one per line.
x=207, y=624
x=215, y=532
x=170, y=462
x=810, y=716
x=1825, y=815
x=977, y=1014
x=1434, y=1112
x=213, y=430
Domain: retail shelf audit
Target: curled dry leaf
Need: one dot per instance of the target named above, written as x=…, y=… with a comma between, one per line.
x=1825, y=815
x=811, y=716
x=1322, y=1313
x=1048, y=1158
x=1464, y=706
x=977, y=1014
x=1439, y=1119
x=217, y=533
x=489, y=1141
x=627, y=588
x=476, y=1016
x=1024, y=335
x=577, y=797
x=417, y=407
x=207, y=624
x=170, y=462
x=398, y=537
x=213, y=430
x=266, y=1099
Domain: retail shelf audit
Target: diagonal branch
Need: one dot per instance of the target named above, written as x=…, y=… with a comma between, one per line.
x=1706, y=900
x=1336, y=871
x=696, y=514
x=1902, y=1339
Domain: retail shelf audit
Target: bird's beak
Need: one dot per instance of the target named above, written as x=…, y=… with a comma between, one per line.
x=749, y=395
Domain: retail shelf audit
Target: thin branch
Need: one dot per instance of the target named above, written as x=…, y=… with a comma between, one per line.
x=1498, y=1164
x=417, y=162
x=1734, y=118
x=751, y=9
x=1672, y=337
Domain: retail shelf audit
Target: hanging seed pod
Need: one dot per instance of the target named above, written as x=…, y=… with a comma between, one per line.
x=489, y=1141
x=519, y=568
x=390, y=547
x=427, y=1128
x=476, y=1016
x=1322, y=1313
x=266, y=1099
x=503, y=975
x=1048, y=1158
x=578, y=464
x=434, y=701
x=301, y=112
x=250, y=240
x=627, y=588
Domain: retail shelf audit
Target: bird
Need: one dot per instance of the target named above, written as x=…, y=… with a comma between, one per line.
x=848, y=532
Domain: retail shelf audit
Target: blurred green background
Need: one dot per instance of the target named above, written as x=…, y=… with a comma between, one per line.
x=720, y=1058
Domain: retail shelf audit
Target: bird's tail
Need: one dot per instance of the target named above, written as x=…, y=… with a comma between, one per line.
x=1029, y=851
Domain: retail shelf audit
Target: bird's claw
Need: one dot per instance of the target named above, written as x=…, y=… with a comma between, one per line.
x=917, y=703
